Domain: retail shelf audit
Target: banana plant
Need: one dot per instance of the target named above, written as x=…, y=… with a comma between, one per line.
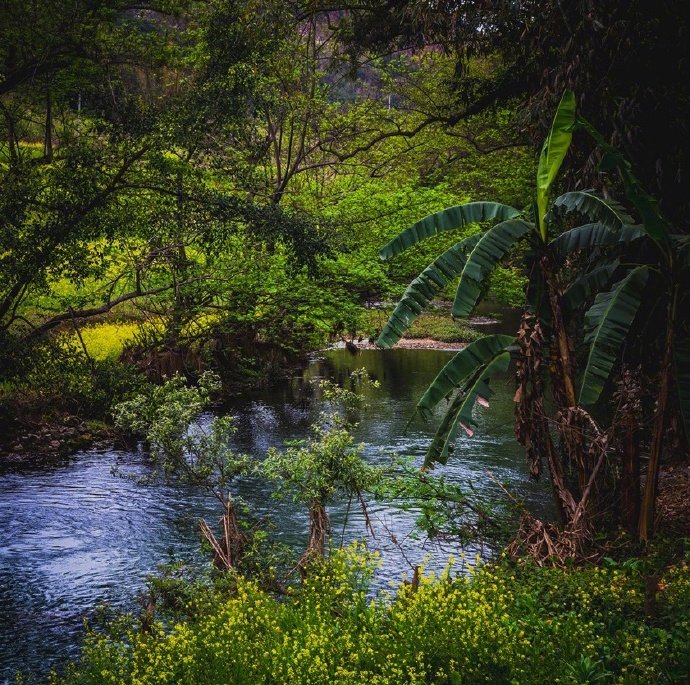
x=643, y=317
x=634, y=286
x=472, y=260
x=464, y=381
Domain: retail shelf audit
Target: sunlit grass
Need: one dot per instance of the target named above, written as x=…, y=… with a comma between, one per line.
x=433, y=325
x=105, y=341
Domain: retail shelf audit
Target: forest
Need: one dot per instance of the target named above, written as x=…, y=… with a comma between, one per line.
x=344, y=342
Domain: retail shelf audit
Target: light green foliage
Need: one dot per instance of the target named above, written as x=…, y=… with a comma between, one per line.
x=507, y=286
x=105, y=341
x=441, y=327
x=495, y=625
x=329, y=462
x=434, y=325
x=183, y=448
x=445, y=510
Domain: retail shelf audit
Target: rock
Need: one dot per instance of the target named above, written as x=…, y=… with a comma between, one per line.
x=54, y=444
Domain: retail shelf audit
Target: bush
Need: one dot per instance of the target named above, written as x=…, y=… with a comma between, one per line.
x=51, y=376
x=497, y=625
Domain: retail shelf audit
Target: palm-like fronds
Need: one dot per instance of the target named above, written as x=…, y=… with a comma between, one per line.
x=447, y=220
x=608, y=321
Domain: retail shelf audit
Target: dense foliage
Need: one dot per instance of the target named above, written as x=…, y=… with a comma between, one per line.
x=569, y=279
x=227, y=185
x=495, y=625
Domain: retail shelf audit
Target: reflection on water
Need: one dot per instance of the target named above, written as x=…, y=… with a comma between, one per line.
x=73, y=535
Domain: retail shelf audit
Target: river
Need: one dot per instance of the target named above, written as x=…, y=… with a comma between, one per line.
x=75, y=535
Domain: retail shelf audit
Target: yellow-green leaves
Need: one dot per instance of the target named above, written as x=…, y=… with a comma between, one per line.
x=553, y=153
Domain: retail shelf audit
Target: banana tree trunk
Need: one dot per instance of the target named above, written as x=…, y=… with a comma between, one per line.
x=565, y=503
x=567, y=397
x=630, y=477
x=561, y=334
x=646, y=525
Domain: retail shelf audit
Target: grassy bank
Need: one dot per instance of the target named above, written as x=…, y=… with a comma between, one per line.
x=434, y=325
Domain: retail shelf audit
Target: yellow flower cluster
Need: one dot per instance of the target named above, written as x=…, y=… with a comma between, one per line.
x=499, y=625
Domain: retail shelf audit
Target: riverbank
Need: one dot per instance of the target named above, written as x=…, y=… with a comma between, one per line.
x=51, y=437
x=29, y=434
x=499, y=624
x=403, y=344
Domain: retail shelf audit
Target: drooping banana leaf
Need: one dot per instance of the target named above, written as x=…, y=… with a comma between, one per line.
x=608, y=321
x=424, y=288
x=488, y=251
x=447, y=220
x=592, y=235
x=459, y=414
x=553, y=153
x=587, y=286
x=596, y=208
x=654, y=222
x=465, y=363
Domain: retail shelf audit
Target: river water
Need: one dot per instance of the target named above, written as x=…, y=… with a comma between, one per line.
x=74, y=535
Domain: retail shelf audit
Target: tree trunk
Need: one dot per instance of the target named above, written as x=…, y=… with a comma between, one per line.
x=564, y=386
x=561, y=334
x=630, y=477
x=319, y=527
x=48, y=141
x=229, y=550
x=12, y=143
x=531, y=423
x=646, y=525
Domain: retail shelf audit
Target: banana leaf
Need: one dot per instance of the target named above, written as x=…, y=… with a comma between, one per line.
x=488, y=251
x=459, y=415
x=465, y=363
x=608, y=322
x=424, y=288
x=592, y=235
x=553, y=153
x=596, y=208
x=447, y=220
x=654, y=222
x=587, y=286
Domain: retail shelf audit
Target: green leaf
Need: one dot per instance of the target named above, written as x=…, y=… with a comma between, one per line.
x=654, y=222
x=465, y=363
x=587, y=286
x=488, y=251
x=553, y=153
x=424, y=288
x=597, y=209
x=459, y=415
x=447, y=220
x=592, y=235
x=608, y=321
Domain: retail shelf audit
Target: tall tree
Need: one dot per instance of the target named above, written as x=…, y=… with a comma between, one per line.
x=625, y=60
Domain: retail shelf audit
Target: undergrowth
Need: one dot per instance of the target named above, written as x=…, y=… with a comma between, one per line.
x=500, y=624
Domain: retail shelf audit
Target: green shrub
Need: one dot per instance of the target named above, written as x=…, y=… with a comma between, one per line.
x=51, y=376
x=497, y=625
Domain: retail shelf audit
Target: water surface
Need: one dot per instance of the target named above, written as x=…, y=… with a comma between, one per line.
x=74, y=535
